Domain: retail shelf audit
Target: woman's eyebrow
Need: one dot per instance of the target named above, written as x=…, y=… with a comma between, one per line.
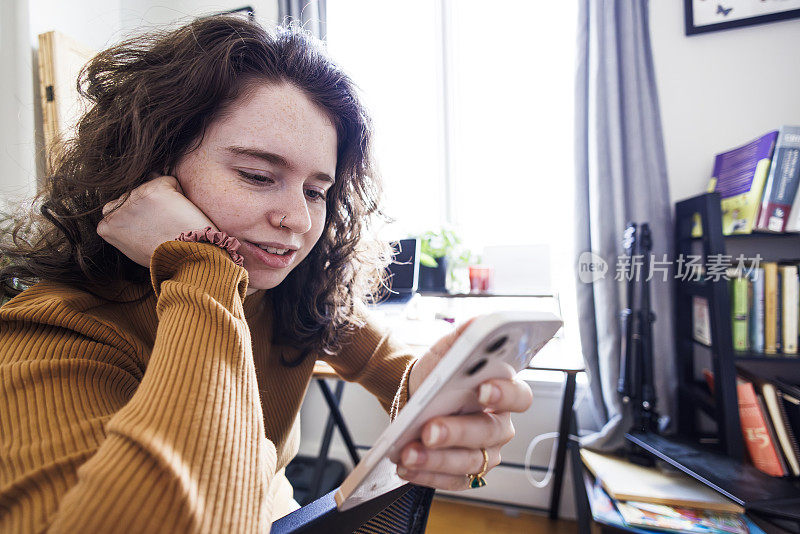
x=270, y=157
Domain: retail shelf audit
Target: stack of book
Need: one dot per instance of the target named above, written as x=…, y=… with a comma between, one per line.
x=629, y=495
x=769, y=412
x=758, y=184
x=765, y=309
x=765, y=302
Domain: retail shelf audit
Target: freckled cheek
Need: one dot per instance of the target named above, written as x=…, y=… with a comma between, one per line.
x=227, y=206
x=318, y=227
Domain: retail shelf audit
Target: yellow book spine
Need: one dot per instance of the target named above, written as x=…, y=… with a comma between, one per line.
x=770, y=307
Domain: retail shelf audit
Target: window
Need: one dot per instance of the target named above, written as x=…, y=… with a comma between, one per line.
x=473, y=110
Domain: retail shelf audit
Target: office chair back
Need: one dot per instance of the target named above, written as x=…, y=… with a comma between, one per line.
x=401, y=511
x=407, y=515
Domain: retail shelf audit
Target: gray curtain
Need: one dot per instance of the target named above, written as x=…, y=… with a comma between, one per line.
x=620, y=177
x=310, y=14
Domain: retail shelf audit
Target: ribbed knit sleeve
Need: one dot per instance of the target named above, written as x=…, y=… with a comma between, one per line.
x=96, y=443
x=379, y=362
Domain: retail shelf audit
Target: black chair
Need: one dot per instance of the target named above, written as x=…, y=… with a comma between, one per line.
x=401, y=511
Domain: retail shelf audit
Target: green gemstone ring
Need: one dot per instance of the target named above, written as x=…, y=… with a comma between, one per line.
x=477, y=480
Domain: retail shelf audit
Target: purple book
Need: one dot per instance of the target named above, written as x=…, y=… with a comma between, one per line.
x=739, y=177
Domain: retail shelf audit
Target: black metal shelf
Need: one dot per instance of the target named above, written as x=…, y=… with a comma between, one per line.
x=700, y=397
x=741, y=356
x=758, y=234
x=723, y=402
x=721, y=466
x=695, y=288
x=748, y=355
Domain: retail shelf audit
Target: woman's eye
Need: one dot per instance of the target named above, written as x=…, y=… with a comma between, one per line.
x=254, y=177
x=313, y=194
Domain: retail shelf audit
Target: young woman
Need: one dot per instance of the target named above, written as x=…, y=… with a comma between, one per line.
x=201, y=243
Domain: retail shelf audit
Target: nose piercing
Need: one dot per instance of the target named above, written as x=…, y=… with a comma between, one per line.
x=281, y=223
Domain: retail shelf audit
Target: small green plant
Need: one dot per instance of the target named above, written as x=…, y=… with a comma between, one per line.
x=443, y=243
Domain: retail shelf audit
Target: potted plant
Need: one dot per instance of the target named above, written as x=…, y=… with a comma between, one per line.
x=441, y=252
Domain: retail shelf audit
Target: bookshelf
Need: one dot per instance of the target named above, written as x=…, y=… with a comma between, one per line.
x=717, y=457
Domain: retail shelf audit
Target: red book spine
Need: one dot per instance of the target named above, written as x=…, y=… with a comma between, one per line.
x=763, y=451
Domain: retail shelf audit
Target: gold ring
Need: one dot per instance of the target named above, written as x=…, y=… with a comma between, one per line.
x=477, y=480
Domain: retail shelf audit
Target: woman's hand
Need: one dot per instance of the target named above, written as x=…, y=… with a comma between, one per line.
x=157, y=211
x=450, y=447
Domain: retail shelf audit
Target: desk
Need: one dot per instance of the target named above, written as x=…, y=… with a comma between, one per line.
x=567, y=425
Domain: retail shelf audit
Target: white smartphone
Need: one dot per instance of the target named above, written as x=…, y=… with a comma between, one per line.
x=496, y=345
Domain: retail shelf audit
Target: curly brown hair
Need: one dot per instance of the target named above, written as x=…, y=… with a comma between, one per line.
x=151, y=100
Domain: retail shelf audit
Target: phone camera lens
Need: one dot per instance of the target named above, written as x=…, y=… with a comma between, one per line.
x=477, y=367
x=496, y=344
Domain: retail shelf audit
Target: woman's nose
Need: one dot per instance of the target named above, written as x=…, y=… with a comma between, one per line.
x=292, y=213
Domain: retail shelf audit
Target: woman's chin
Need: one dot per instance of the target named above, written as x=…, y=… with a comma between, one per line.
x=260, y=280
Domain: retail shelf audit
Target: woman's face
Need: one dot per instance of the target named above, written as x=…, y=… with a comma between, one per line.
x=261, y=175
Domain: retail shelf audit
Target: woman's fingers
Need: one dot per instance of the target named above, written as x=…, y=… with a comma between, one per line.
x=417, y=457
x=153, y=213
x=109, y=206
x=505, y=395
x=435, y=480
x=471, y=431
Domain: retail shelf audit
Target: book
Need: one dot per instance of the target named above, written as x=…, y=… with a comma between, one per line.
x=680, y=519
x=701, y=321
x=625, y=481
x=781, y=427
x=604, y=510
x=770, y=306
x=739, y=312
x=789, y=404
x=793, y=222
x=789, y=311
x=779, y=313
x=739, y=176
x=770, y=426
x=790, y=408
x=762, y=450
x=757, y=309
x=781, y=185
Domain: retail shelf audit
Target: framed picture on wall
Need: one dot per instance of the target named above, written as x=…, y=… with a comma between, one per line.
x=711, y=15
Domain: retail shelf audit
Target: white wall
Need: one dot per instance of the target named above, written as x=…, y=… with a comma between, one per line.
x=139, y=15
x=94, y=23
x=17, y=147
x=720, y=89
x=100, y=23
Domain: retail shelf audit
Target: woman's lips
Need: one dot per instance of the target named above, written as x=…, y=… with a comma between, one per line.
x=274, y=261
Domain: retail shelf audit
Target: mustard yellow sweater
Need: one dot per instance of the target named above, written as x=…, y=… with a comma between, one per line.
x=171, y=414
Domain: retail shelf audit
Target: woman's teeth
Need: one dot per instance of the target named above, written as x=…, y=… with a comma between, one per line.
x=273, y=250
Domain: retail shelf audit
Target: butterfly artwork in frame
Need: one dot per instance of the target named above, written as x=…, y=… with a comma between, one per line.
x=703, y=16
